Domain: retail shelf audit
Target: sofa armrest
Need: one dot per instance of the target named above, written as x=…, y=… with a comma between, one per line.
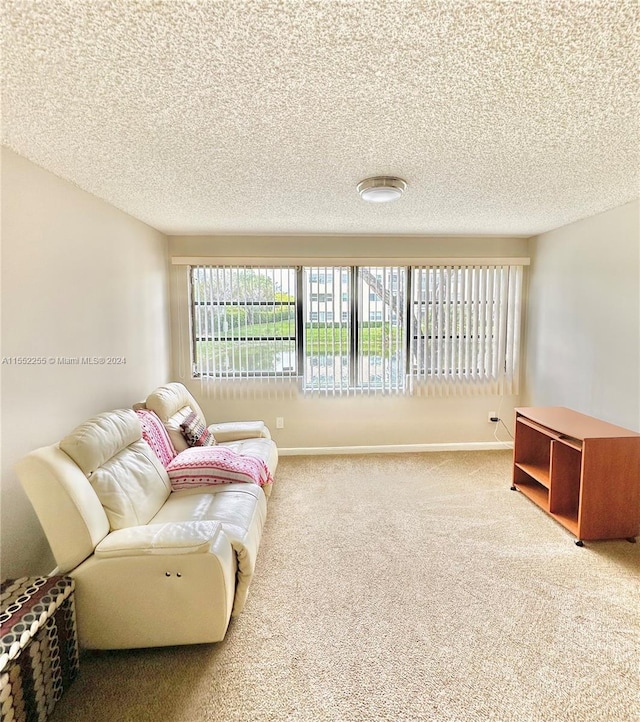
x=156, y=585
x=191, y=537
x=238, y=430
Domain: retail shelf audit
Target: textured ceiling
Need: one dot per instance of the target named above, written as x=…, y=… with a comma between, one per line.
x=261, y=116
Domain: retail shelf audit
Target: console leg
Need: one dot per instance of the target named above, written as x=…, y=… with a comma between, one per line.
x=513, y=488
x=631, y=539
x=579, y=543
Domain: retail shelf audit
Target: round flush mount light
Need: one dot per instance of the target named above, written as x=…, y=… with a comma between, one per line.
x=381, y=189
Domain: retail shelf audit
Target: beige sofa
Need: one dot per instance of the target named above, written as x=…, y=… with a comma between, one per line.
x=152, y=566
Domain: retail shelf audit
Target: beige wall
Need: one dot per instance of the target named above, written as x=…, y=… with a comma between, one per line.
x=311, y=422
x=583, y=337
x=79, y=278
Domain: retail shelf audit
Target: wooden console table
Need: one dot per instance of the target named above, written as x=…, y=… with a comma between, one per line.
x=583, y=472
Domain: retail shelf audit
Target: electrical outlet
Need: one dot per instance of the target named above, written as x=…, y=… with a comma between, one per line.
x=279, y=422
x=492, y=417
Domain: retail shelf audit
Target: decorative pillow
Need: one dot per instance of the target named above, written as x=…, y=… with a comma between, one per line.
x=195, y=431
x=206, y=439
x=155, y=434
x=219, y=465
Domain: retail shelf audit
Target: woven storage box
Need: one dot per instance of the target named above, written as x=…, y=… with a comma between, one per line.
x=38, y=646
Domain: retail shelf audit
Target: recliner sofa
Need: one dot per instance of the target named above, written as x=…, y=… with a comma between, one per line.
x=152, y=566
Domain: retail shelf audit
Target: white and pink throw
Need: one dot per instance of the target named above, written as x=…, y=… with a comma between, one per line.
x=210, y=465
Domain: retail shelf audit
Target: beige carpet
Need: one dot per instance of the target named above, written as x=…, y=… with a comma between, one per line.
x=400, y=587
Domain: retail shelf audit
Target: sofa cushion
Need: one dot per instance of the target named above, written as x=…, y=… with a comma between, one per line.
x=155, y=434
x=126, y=475
x=261, y=448
x=132, y=486
x=241, y=509
x=101, y=437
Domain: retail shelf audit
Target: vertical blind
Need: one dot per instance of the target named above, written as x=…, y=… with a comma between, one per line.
x=381, y=329
x=244, y=322
x=326, y=309
x=337, y=330
x=465, y=329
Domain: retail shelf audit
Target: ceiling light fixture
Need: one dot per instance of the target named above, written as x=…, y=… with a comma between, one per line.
x=381, y=189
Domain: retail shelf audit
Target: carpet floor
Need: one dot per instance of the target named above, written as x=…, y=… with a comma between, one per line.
x=400, y=587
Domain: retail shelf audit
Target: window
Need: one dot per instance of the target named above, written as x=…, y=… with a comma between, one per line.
x=465, y=327
x=243, y=322
x=390, y=329
x=325, y=338
x=382, y=347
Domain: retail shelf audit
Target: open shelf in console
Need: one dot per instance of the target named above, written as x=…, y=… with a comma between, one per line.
x=532, y=454
x=537, y=492
x=564, y=493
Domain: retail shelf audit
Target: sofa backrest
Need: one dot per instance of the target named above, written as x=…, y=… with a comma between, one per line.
x=100, y=477
x=127, y=476
x=173, y=403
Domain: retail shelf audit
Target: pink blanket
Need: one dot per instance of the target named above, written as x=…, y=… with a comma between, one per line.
x=209, y=465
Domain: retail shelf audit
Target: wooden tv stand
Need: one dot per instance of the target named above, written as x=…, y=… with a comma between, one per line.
x=583, y=472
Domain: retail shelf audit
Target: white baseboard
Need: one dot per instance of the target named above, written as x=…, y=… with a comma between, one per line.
x=396, y=448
